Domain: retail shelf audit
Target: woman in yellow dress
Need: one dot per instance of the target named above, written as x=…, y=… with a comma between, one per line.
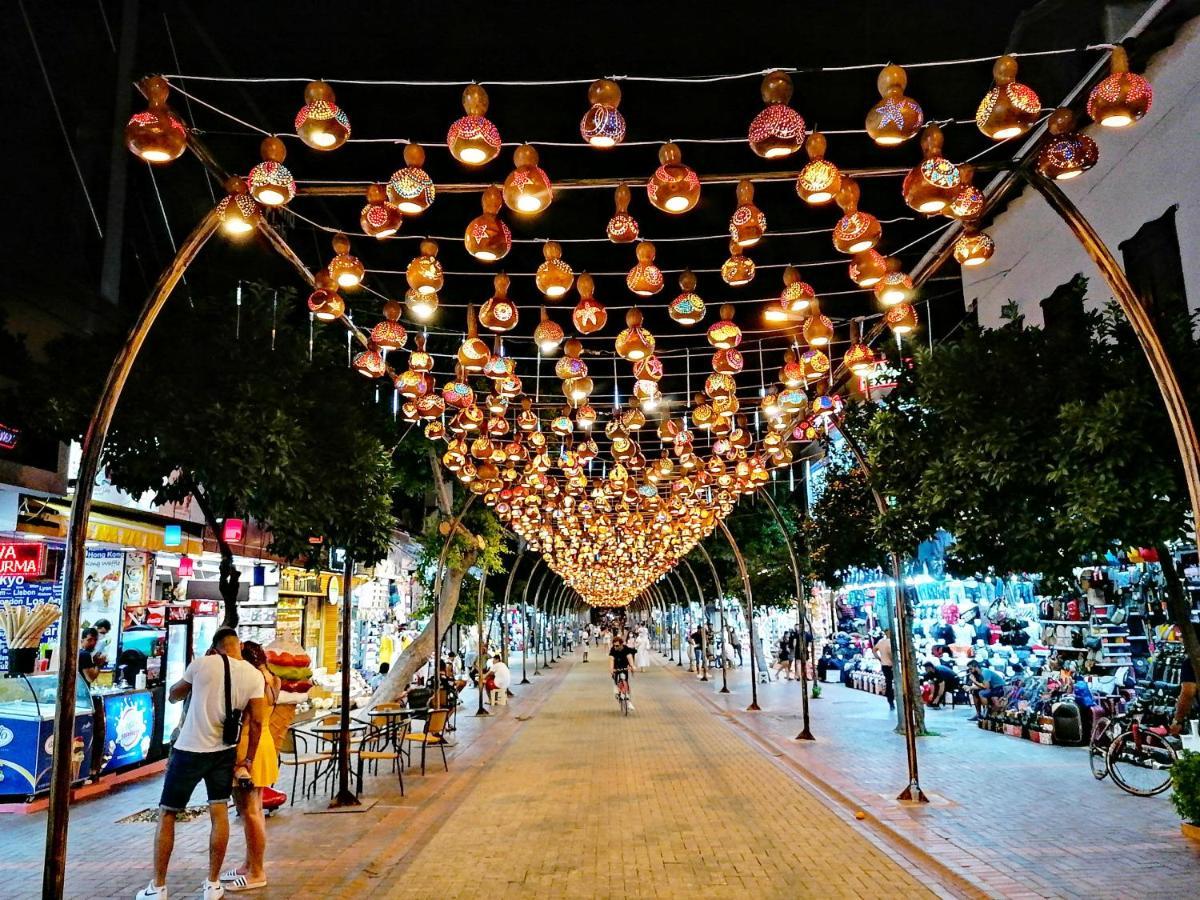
x=264, y=770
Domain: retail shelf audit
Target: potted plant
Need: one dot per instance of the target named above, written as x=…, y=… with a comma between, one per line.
x=1185, y=781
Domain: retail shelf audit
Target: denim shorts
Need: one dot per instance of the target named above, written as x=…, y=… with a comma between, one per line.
x=186, y=769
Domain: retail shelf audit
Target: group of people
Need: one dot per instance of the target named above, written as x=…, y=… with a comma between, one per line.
x=707, y=652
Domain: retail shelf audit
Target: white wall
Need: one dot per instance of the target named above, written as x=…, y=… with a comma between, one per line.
x=1143, y=170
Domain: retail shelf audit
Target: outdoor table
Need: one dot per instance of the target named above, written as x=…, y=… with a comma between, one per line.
x=332, y=733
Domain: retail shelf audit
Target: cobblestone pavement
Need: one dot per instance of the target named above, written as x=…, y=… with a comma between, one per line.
x=1016, y=818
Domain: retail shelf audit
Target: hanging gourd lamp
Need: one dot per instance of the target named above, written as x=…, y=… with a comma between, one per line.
x=797, y=295
x=968, y=200
x=1068, y=152
x=324, y=302
x=413, y=384
x=585, y=416
x=499, y=314
x=527, y=188
x=473, y=140
x=270, y=182
x=738, y=270
x=748, y=224
x=855, y=231
x=473, y=353
x=411, y=188
x=603, y=125
x=589, y=315
x=896, y=117
x=237, y=211
x=1122, y=98
x=687, y=308
x=369, y=363
x=346, y=270
x=973, y=248
x=818, y=329
x=420, y=306
x=819, y=180
x=424, y=273
x=859, y=359
x=815, y=363
x=728, y=362
x=622, y=227
x=648, y=369
x=577, y=390
x=419, y=360
x=791, y=373
x=487, y=238
x=673, y=188
x=389, y=334
x=724, y=334
x=867, y=268
x=895, y=286
x=901, y=319
x=569, y=364
x=498, y=366
x=778, y=130
x=645, y=279
x=634, y=342
x=554, y=276
x=548, y=334
x=1010, y=108
x=321, y=123
x=156, y=135
x=456, y=392
x=930, y=186
x=380, y=218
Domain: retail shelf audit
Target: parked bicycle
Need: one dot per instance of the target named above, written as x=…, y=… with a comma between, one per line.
x=1135, y=747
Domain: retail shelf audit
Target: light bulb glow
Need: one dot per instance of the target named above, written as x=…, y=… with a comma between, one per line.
x=472, y=155
x=270, y=197
x=776, y=152
x=323, y=138
x=348, y=280
x=526, y=203
x=1116, y=121
x=677, y=204
x=820, y=197
x=861, y=246
x=932, y=206
x=156, y=156
x=236, y=226
x=1005, y=133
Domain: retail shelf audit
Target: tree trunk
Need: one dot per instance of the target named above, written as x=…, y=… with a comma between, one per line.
x=228, y=583
x=418, y=653
x=1179, y=608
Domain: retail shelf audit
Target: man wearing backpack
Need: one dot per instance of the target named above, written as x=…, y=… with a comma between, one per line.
x=225, y=691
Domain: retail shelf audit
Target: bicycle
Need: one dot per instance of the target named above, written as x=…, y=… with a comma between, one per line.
x=622, y=680
x=1136, y=754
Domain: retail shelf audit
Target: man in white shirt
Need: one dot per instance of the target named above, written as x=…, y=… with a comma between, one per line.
x=883, y=651
x=201, y=753
x=502, y=678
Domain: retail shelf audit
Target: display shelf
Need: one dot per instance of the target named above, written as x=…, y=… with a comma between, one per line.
x=1063, y=621
x=301, y=593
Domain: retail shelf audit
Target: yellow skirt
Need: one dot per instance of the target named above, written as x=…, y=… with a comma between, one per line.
x=264, y=770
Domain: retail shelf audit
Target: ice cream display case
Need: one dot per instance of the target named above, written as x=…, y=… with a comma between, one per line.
x=27, y=729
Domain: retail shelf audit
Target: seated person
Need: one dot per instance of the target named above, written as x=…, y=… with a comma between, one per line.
x=376, y=680
x=988, y=689
x=943, y=679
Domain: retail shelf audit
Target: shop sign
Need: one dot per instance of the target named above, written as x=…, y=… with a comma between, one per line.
x=9, y=435
x=25, y=558
x=128, y=721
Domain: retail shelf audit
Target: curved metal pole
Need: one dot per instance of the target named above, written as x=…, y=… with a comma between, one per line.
x=437, y=584
x=683, y=635
x=721, y=607
x=741, y=564
x=703, y=622
x=801, y=615
x=55, y=859
x=535, y=627
x=1164, y=372
x=481, y=656
x=525, y=619
x=548, y=624
x=504, y=607
x=904, y=632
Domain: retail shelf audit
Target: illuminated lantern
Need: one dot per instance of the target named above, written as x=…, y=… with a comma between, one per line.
x=548, y=335
x=324, y=302
x=724, y=334
x=819, y=180
x=419, y=360
x=570, y=365
x=1123, y=97
x=380, y=218
x=930, y=186
x=622, y=227
x=855, y=231
x=719, y=385
x=648, y=369
x=1068, y=152
x=738, y=270
x=187, y=567
x=867, y=268
x=778, y=130
x=370, y=363
x=728, y=362
x=487, y=238
x=635, y=342
x=1010, y=108
x=473, y=353
x=156, y=135
x=232, y=530
x=420, y=306
x=321, y=123
x=345, y=269
x=859, y=359
x=554, y=276
x=457, y=394
x=590, y=314
x=896, y=117
x=968, y=200
x=527, y=188
x=645, y=279
x=687, y=308
x=895, y=286
x=270, y=182
x=389, y=334
x=411, y=188
x=901, y=319
x=748, y=224
x=603, y=125
x=473, y=139
x=797, y=295
x=818, y=329
x=815, y=363
x=498, y=313
x=674, y=187
x=237, y=211
x=792, y=372
x=973, y=248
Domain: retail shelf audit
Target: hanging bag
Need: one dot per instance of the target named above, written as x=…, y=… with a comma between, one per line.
x=231, y=728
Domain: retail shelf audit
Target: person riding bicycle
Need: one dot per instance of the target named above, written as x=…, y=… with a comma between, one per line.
x=619, y=663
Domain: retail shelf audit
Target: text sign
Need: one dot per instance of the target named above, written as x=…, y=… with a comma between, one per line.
x=9, y=435
x=26, y=558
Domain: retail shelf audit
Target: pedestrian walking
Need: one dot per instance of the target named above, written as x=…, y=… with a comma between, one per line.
x=883, y=652
x=783, y=660
x=642, y=646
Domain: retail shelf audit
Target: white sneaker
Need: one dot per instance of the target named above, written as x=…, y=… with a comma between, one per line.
x=153, y=891
x=213, y=890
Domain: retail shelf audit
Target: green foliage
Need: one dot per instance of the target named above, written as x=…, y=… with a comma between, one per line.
x=842, y=531
x=1185, y=784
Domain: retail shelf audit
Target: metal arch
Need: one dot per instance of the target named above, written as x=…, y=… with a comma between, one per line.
x=525, y=619
x=721, y=612
x=741, y=564
x=481, y=651
x=704, y=623
x=512, y=573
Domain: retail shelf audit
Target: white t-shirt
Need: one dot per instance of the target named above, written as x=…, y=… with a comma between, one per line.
x=502, y=675
x=201, y=731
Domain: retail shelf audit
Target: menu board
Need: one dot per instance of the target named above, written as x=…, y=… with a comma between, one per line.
x=22, y=590
x=102, y=573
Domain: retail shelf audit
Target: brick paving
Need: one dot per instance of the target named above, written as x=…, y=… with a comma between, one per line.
x=1014, y=817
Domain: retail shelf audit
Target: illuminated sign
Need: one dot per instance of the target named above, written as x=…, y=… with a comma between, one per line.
x=27, y=558
x=9, y=435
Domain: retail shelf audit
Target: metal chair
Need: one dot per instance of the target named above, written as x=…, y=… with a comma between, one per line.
x=433, y=735
x=294, y=751
x=378, y=745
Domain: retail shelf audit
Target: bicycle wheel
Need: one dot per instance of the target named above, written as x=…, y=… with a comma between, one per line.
x=1141, y=765
x=1098, y=749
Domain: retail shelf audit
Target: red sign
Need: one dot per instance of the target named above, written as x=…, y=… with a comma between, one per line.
x=26, y=558
x=9, y=436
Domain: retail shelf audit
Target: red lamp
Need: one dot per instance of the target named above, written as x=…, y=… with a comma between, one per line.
x=186, y=567
x=232, y=530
